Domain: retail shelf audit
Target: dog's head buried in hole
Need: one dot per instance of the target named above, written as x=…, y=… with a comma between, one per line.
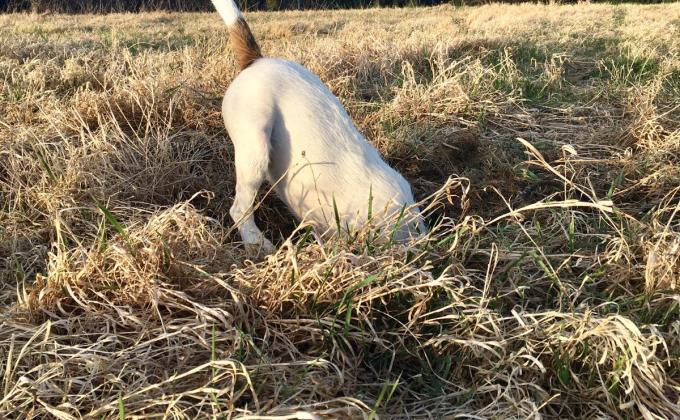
x=288, y=129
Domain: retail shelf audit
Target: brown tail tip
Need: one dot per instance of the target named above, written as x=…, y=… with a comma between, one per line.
x=244, y=44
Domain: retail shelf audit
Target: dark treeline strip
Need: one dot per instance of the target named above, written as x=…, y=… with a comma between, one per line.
x=106, y=6
x=103, y=6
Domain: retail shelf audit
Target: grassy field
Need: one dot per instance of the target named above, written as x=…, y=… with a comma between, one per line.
x=544, y=142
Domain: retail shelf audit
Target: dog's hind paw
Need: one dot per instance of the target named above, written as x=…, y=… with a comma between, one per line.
x=260, y=249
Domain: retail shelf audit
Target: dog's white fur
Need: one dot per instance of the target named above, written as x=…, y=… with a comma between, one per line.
x=228, y=11
x=290, y=130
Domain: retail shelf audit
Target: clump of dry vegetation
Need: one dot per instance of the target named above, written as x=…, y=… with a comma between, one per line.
x=544, y=142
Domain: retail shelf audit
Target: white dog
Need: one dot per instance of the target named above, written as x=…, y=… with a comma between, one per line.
x=289, y=129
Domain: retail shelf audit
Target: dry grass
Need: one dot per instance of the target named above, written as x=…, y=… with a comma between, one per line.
x=543, y=140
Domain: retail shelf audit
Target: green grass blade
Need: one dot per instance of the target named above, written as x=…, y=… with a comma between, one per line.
x=397, y=225
x=121, y=407
x=337, y=215
x=112, y=220
x=370, y=202
x=46, y=166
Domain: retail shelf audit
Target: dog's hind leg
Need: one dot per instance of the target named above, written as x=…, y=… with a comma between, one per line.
x=251, y=147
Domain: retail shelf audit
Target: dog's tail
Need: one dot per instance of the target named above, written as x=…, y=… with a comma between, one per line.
x=242, y=40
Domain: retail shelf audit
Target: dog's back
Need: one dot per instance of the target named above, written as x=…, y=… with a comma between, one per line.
x=317, y=155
